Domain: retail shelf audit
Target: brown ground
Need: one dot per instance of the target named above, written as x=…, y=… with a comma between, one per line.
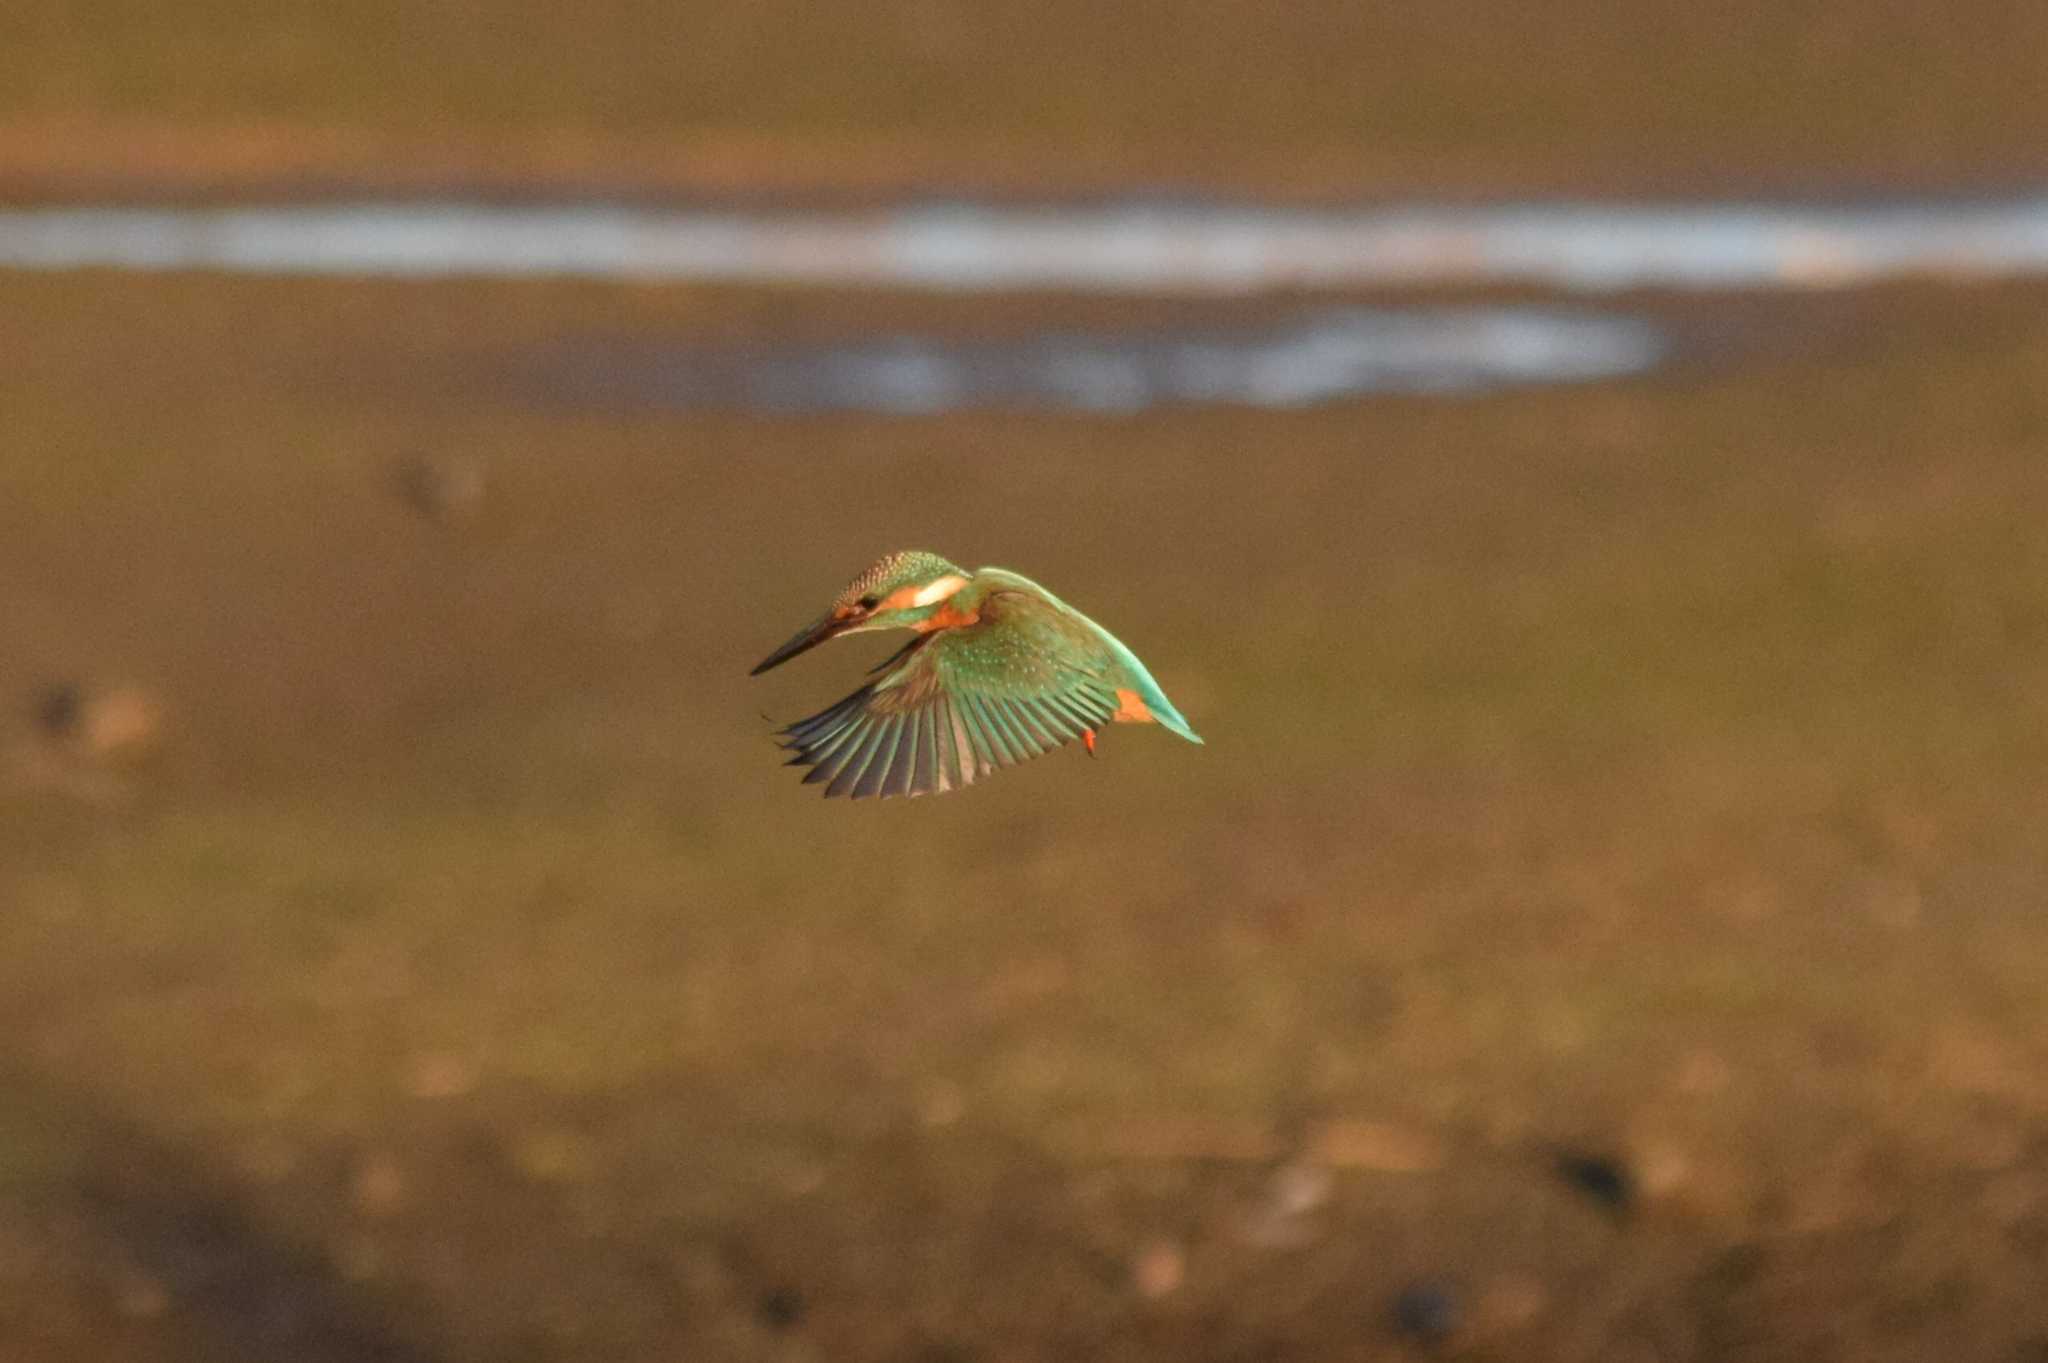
x=1309, y=97
x=1649, y=772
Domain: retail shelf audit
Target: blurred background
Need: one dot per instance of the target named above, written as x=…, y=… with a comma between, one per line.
x=1580, y=466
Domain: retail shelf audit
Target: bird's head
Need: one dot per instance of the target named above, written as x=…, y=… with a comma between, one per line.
x=898, y=591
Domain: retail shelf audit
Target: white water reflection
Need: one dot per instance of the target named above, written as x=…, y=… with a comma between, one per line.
x=1127, y=246
x=1319, y=357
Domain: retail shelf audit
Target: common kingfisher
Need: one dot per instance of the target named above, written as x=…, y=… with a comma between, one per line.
x=1001, y=671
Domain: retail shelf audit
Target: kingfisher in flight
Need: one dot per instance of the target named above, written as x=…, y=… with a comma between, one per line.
x=1000, y=671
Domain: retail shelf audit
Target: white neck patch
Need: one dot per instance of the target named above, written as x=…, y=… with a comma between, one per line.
x=939, y=590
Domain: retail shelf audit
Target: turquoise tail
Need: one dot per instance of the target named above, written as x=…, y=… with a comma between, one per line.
x=1163, y=710
x=1168, y=717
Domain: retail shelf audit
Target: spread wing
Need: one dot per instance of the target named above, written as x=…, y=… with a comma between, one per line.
x=1023, y=679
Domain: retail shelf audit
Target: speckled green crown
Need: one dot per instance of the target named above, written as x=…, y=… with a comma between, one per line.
x=891, y=571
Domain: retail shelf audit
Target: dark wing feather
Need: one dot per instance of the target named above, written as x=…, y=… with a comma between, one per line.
x=859, y=752
x=995, y=735
x=954, y=705
x=973, y=722
x=1036, y=731
x=875, y=780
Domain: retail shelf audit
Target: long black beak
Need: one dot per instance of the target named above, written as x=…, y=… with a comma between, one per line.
x=810, y=636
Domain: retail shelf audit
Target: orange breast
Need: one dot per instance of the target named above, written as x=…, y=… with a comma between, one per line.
x=1131, y=707
x=947, y=616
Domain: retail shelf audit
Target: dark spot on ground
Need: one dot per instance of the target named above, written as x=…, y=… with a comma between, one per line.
x=57, y=708
x=781, y=1308
x=1603, y=1178
x=1428, y=1311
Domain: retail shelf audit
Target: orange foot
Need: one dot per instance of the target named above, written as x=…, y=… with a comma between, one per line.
x=1088, y=741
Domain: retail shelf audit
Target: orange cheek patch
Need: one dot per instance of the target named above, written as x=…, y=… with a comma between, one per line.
x=1131, y=707
x=914, y=596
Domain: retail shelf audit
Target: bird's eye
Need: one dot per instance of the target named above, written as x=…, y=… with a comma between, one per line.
x=870, y=601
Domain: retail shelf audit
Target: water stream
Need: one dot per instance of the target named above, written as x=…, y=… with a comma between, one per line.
x=1133, y=247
